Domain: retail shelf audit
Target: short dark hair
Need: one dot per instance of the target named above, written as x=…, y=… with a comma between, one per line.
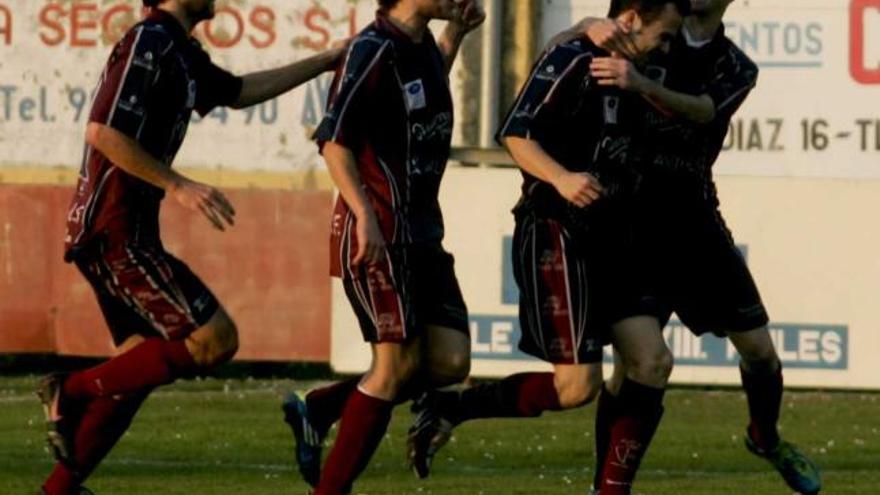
x=152, y=3
x=388, y=4
x=648, y=9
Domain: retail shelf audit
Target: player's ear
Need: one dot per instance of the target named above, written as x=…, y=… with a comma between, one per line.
x=628, y=19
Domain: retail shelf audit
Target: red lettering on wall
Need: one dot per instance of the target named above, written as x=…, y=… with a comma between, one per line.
x=311, y=19
x=263, y=19
x=49, y=18
x=857, y=68
x=6, y=27
x=116, y=21
x=83, y=18
x=223, y=39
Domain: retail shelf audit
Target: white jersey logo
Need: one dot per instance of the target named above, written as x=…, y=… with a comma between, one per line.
x=415, y=95
x=611, y=104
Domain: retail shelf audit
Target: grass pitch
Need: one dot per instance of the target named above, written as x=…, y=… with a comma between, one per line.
x=228, y=437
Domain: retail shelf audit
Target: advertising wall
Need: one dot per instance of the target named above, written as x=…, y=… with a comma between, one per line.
x=71, y=41
x=269, y=271
x=798, y=184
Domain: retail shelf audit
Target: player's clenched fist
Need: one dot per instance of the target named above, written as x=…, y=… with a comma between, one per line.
x=579, y=188
x=202, y=197
x=371, y=242
x=616, y=71
x=470, y=15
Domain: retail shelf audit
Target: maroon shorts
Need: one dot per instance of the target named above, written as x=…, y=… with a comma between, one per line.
x=414, y=287
x=573, y=287
x=142, y=290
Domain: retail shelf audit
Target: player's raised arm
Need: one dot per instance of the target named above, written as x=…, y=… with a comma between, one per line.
x=611, y=35
x=615, y=37
x=620, y=72
x=258, y=87
x=470, y=16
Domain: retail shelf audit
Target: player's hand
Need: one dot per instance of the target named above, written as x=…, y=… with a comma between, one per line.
x=617, y=71
x=202, y=197
x=470, y=15
x=579, y=188
x=612, y=36
x=371, y=242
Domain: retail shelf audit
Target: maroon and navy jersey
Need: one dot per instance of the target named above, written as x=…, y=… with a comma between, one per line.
x=155, y=76
x=584, y=127
x=391, y=106
x=683, y=152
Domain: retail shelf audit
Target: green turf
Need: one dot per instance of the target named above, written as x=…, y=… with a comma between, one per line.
x=227, y=437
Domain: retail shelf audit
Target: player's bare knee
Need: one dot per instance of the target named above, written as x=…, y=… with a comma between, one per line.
x=454, y=369
x=652, y=368
x=216, y=346
x=765, y=363
x=577, y=392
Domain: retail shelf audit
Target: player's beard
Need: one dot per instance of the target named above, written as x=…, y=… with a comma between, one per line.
x=200, y=10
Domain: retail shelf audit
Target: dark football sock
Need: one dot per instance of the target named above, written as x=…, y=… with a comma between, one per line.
x=639, y=411
x=364, y=422
x=151, y=363
x=517, y=396
x=325, y=404
x=606, y=412
x=764, y=393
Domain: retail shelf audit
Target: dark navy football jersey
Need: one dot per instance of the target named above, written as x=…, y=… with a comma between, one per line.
x=390, y=105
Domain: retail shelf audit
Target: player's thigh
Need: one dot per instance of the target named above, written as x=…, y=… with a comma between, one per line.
x=446, y=354
x=647, y=358
x=577, y=384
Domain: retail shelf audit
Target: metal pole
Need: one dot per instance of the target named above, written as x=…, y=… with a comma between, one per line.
x=490, y=72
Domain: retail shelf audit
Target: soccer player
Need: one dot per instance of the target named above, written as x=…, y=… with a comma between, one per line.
x=702, y=277
x=577, y=144
x=386, y=139
x=165, y=322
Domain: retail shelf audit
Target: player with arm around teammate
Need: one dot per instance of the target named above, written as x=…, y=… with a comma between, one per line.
x=166, y=324
x=704, y=278
x=577, y=144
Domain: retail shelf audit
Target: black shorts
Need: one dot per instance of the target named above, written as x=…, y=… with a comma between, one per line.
x=414, y=287
x=142, y=290
x=700, y=274
x=573, y=285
